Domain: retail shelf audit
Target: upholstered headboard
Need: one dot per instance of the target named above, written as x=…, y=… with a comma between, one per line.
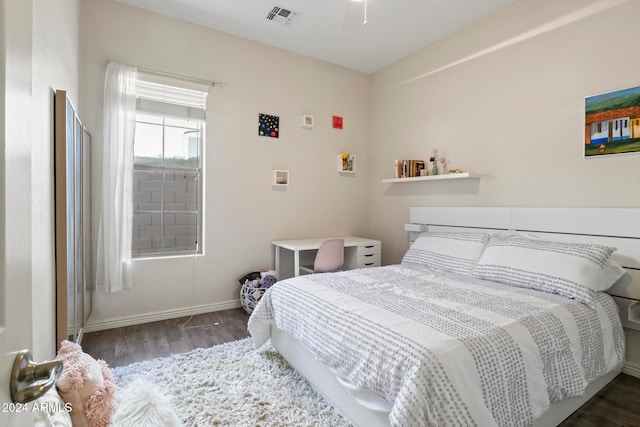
x=618, y=227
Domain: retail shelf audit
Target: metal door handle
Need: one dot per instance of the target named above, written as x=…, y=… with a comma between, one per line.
x=30, y=380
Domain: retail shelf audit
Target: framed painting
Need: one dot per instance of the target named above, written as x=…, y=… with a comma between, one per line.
x=612, y=123
x=268, y=125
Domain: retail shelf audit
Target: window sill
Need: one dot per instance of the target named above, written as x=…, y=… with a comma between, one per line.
x=165, y=257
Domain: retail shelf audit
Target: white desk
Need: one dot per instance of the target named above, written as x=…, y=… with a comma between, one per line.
x=290, y=254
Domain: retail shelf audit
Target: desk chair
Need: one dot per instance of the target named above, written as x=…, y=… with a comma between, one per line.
x=330, y=257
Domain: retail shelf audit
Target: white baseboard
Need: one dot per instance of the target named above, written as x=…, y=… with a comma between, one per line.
x=159, y=315
x=631, y=369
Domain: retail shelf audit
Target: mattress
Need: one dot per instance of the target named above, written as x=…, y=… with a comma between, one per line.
x=444, y=349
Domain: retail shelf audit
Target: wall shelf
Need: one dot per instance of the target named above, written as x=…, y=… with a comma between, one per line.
x=464, y=175
x=280, y=178
x=348, y=167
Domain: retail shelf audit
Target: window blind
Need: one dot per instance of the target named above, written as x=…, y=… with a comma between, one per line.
x=169, y=96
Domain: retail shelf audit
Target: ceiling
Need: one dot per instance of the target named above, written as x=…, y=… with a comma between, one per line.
x=332, y=30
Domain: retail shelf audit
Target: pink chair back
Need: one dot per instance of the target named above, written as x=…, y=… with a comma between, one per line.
x=330, y=256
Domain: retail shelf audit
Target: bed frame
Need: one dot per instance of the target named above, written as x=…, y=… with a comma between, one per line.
x=619, y=227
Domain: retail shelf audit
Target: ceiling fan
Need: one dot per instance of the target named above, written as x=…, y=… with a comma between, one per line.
x=355, y=14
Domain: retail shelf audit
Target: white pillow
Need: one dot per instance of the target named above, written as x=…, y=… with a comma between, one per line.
x=447, y=252
x=612, y=271
x=573, y=270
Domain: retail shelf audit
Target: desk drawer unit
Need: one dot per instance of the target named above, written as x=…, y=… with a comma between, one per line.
x=369, y=256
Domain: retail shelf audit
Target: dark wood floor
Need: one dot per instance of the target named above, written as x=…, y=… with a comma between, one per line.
x=123, y=346
x=615, y=405
x=618, y=404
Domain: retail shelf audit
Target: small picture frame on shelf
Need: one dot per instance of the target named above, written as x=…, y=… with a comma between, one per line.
x=346, y=162
x=280, y=178
x=307, y=121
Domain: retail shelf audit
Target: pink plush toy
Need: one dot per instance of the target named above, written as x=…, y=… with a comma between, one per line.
x=87, y=384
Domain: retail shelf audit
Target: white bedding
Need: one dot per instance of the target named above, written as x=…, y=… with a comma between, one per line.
x=446, y=349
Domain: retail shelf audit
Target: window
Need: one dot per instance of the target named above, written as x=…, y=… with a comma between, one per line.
x=168, y=167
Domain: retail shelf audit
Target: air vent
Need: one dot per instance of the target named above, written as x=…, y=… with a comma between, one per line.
x=281, y=15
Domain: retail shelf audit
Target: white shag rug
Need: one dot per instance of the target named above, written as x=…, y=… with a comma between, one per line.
x=143, y=404
x=232, y=385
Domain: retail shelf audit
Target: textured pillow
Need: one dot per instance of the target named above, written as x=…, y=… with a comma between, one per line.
x=612, y=271
x=87, y=384
x=447, y=252
x=573, y=270
x=50, y=411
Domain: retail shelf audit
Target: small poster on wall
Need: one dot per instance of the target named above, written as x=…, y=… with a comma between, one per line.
x=268, y=125
x=612, y=123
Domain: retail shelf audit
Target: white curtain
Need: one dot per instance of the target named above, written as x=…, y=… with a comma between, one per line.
x=113, y=264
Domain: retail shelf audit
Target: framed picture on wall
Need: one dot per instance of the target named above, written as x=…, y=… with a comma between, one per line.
x=268, y=125
x=612, y=123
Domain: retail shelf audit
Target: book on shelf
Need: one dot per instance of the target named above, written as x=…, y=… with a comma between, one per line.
x=409, y=168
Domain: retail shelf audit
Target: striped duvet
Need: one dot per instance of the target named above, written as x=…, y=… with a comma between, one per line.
x=446, y=349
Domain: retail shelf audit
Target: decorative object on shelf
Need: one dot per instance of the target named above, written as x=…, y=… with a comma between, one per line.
x=612, y=123
x=307, y=121
x=442, y=169
x=280, y=177
x=434, y=162
x=268, y=125
x=346, y=162
x=409, y=168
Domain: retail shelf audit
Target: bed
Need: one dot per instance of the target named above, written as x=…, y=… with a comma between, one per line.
x=456, y=334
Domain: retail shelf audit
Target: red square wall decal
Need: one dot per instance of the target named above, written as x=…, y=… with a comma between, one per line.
x=337, y=122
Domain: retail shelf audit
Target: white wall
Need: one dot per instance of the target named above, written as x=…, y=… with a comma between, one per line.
x=243, y=212
x=505, y=98
x=56, y=59
x=44, y=56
